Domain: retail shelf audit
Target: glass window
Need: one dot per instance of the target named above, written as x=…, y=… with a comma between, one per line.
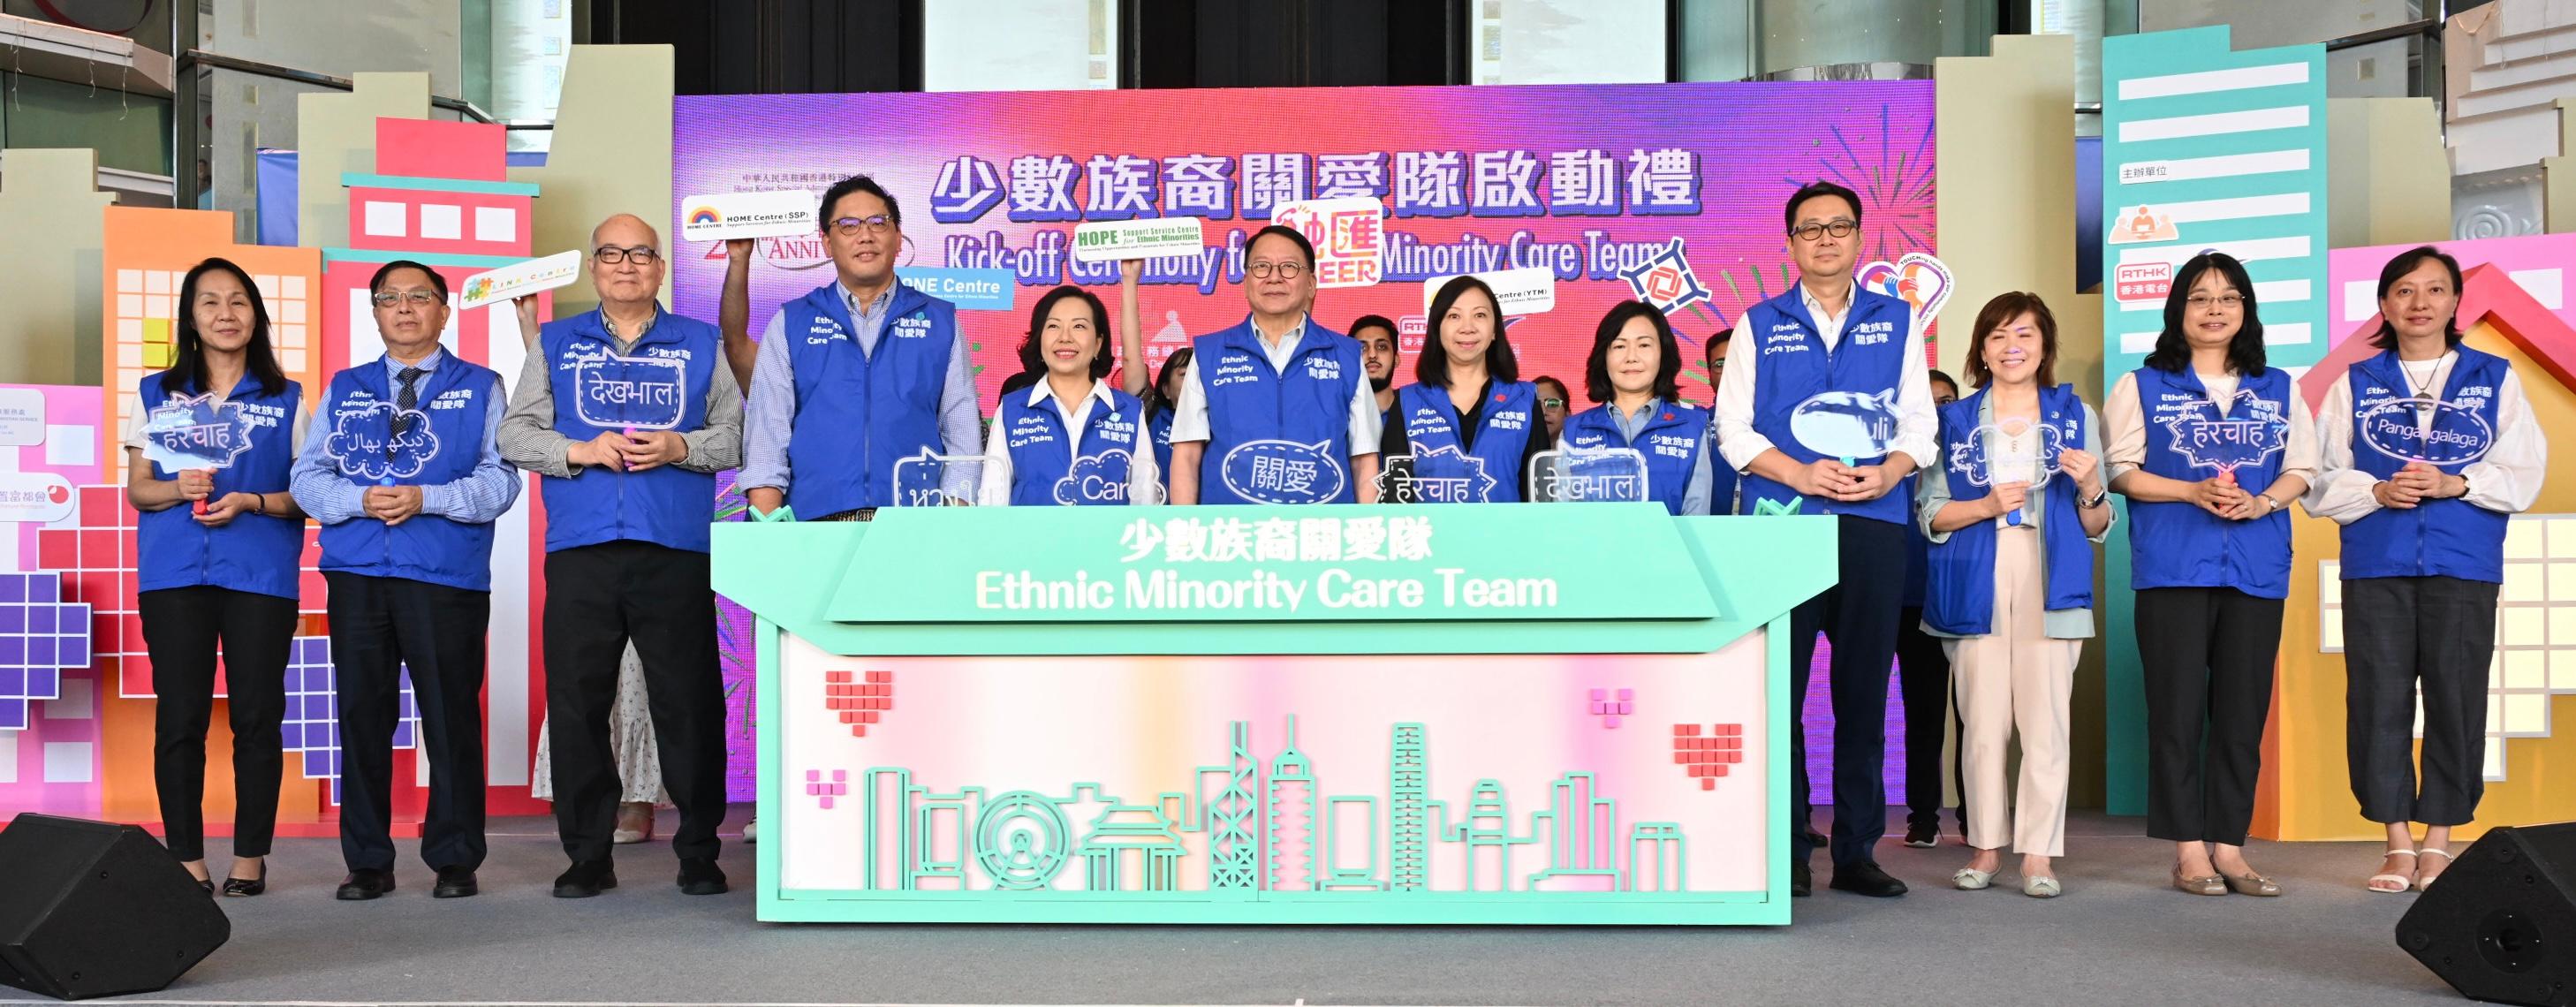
x=1019, y=45
x=1566, y=42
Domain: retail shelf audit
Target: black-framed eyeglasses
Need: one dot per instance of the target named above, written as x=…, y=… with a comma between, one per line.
x=849, y=227
x=419, y=298
x=1286, y=270
x=613, y=255
x=1840, y=227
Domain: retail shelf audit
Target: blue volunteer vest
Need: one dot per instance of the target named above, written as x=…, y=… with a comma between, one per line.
x=856, y=415
x=1959, y=573
x=1794, y=366
x=1670, y=440
x=1308, y=406
x=2178, y=544
x=666, y=373
x=430, y=548
x=1042, y=453
x=254, y=552
x=1161, y=427
x=2450, y=537
x=1502, y=439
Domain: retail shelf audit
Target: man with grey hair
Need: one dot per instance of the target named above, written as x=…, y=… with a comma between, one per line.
x=626, y=415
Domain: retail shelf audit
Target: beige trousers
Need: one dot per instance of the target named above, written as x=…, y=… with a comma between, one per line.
x=2015, y=677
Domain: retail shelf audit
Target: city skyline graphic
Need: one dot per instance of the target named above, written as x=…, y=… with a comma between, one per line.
x=1257, y=825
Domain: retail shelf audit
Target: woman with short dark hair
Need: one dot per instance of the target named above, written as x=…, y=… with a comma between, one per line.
x=1071, y=439
x=2426, y=449
x=1632, y=372
x=1467, y=429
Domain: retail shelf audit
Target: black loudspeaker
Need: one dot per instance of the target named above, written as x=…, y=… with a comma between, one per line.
x=2500, y=925
x=89, y=909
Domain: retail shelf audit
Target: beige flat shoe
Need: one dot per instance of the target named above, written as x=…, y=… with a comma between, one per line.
x=1970, y=879
x=2042, y=887
x=2207, y=884
x=2252, y=884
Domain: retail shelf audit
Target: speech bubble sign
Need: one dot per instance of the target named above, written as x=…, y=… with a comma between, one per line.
x=724, y=215
x=1589, y=475
x=1282, y=472
x=1442, y=474
x=2427, y=430
x=1098, y=479
x=532, y=276
x=1148, y=238
x=366, y=443
x=1846, y=424
x=630, y=393
x=930, y=479
x=1349, y=235
x=2253, y=429
x=195, y=432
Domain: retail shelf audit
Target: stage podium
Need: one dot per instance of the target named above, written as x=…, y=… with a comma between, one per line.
x=1534, y=713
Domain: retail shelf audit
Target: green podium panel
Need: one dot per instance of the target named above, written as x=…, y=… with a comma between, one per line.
x=1550, y=713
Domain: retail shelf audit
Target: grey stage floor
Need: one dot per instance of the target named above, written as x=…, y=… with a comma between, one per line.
x=2119, y=936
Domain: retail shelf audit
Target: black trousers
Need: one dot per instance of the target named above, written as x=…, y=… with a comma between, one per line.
x=1858, y=614
x=182, y=626
x=2207, y=656
x=1923, y=678
x=381, y=626
x=2399, y=634
x=597, y=598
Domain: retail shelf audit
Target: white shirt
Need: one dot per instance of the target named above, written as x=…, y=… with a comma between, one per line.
x=1916, y=422
x=1190, y=414
x=1143, y=487
x=2507, y=480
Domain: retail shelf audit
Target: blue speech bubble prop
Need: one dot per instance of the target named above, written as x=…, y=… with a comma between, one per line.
x=2427, y=430
x=1589, y=475
x=195, y=432
x=364, y=443
x=630, y=393
x=930, y=479
x=1846, y=425
x=1283, y=472
x=1097, y=479
x=2253, y=430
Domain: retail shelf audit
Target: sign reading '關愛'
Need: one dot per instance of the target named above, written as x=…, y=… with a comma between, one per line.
x=1120, y=564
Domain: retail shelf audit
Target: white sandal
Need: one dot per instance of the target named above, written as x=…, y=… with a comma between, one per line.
x=2403, y=882
x=2424, y=884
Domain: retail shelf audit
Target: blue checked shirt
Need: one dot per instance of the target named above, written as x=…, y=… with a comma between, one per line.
x=479, y=498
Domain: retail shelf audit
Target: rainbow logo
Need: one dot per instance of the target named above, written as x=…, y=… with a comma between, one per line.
x=705, y=215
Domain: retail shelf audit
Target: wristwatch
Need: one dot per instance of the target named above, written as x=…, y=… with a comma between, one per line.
x=2098, y=499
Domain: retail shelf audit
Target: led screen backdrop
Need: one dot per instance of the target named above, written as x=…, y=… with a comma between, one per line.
x=1673, y=191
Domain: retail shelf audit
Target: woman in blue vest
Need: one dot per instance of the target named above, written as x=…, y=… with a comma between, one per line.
x=1467, y=429
x=2012, y=512
x=1632, y=372
x=2210, y=446
x=2423, y=516
x=218, y=556
x=1069, y=439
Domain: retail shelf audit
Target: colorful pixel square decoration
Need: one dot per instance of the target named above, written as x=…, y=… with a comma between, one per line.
x=40, y=636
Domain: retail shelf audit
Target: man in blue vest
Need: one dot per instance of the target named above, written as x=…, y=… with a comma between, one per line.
x=403, y=469
x=627, y=412
x=1825, y=409
x=856, y=376
x=1277, y=409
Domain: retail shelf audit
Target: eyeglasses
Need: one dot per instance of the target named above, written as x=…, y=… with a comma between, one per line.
x=611, y=255
x=849, y=227
x=2202, y=302
x=1840, y=227
x=1551, y=403
x=419, y=298
x=1286, y=270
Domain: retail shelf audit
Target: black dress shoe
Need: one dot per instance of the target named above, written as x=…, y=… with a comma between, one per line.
x=1802, y=880
x=1923, y=837
x=363, y=884
x=586, y=878
x=1865, y=878
x=208, y=884
x=1817, y=840
x=455, y=883
x=242, y=888
x=701, y=876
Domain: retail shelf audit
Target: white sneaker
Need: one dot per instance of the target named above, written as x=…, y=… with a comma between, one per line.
x=751, y=831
